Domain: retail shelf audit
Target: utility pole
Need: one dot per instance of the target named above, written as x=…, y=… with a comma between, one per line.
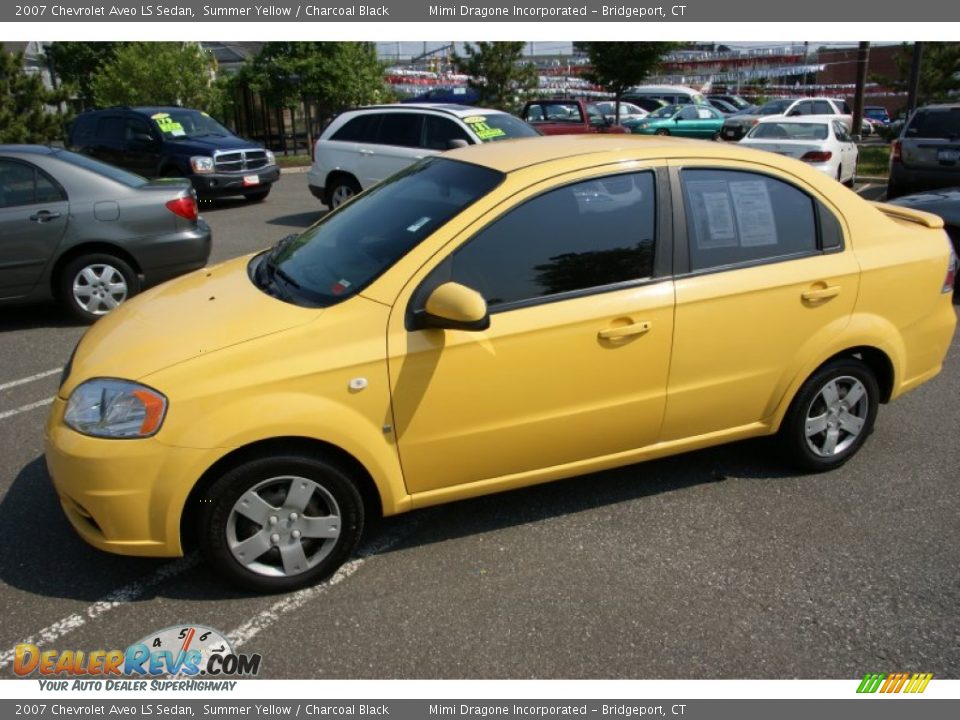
x=913, y=90
x=863, y=59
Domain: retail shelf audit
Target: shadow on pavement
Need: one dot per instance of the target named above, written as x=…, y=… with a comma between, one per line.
x=298, y=220
x=50, y=560
x=26, y=317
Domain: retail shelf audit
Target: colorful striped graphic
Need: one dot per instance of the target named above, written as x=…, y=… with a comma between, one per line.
x=895, y=682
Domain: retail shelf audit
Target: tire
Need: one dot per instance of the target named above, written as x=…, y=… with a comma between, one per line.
x=248, y=517
x=808, y=447
x=258, y=196
x=662, y=131
x=92, y=285
x=342, y=190
x=716, y=136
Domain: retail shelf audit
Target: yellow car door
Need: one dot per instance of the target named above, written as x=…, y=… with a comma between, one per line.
x=574, y=363
x=764, y=275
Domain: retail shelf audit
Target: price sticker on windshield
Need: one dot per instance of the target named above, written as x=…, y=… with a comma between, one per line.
x=481, y=129
x=167, y=125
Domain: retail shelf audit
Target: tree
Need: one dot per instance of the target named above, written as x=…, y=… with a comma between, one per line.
x=618, y=66
x=334, y=75
x=75, y=65
x=159, y=73
x=939, y=70
x=497, y=72
x=25, y=112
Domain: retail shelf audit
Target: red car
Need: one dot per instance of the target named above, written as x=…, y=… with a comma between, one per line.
x=568, y=117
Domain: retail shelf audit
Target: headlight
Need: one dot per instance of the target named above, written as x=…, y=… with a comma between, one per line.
x=201, y=164
x=115, y=409
x=271, y=158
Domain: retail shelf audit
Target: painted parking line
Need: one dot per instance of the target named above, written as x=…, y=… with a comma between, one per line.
x=24, y=408
x=264, y=619
x=24, y=381
x=111, y=601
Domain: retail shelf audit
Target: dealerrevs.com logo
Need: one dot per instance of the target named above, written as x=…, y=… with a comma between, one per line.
x=910, y=683
x=180, y=654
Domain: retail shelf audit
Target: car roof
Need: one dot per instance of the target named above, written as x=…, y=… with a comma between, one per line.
x=28, y=149
x=449, y=108
x=808, y=119
x=511, y=155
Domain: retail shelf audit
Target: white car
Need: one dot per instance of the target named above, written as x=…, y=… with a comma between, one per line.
x=628, y=111
x=821, y=141
x=821, y=107
x=364, y=146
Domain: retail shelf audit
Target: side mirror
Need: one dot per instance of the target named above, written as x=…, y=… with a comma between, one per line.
x=456, y=143
x=455, y=307
x=856, y=138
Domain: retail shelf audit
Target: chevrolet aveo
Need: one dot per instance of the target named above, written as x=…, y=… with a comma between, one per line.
x=492, y=318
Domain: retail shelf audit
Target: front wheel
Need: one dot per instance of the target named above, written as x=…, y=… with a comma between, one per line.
x=90, y=286
x=662, y=131
x=831, y=415
x=281, y=523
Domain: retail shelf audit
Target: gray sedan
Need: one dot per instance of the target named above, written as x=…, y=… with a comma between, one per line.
x=88, y=234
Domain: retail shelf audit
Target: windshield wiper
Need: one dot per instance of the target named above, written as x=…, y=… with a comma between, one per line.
x=272, y=271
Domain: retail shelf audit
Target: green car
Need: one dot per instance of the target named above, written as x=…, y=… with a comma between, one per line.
x=694, y=121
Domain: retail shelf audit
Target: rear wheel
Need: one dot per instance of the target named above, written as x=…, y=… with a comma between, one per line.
x=342, y=190
x=831, y=416
x=280, y=523
x=92, y=285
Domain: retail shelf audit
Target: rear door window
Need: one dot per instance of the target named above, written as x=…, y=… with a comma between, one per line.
x=401, y=129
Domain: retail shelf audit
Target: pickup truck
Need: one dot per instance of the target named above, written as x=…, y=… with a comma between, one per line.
x=568, y=117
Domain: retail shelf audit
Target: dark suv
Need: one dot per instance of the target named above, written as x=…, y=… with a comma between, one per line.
x=927, y=153
x=176, y=142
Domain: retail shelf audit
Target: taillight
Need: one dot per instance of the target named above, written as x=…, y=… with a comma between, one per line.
x=817, y=156
x=895, y=154
x=185, y=207
x=951, y=277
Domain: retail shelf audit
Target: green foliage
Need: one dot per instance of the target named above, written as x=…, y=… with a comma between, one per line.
x=25, y=115
x=497, y=72
x=159, y=73
x=75, y=65
x=335, y=75
x=618, y=66
x=939, y=71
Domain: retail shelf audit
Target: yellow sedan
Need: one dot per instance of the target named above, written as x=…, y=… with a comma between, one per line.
x=496, y=317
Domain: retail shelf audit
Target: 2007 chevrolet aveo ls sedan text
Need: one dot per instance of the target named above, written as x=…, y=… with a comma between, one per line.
x=496, y=317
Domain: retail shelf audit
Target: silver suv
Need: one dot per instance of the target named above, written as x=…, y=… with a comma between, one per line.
x=927, y=153
x=364, y=146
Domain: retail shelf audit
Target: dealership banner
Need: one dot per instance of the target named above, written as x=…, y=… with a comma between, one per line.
x=512, y=11
x=484, y=709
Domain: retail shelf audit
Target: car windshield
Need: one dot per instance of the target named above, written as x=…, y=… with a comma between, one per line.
x=175, y=123
x=665, y=112
x=940, y=124
x=774, y=107
x=111, y=171
x=788, y=131
x=349, y=248
x=499, y=126
x=878, y=113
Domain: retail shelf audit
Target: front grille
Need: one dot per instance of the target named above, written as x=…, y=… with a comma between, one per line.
x=240, y=160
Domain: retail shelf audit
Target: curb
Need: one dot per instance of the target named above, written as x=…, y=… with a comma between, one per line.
x=296, y=170
x=872, y=178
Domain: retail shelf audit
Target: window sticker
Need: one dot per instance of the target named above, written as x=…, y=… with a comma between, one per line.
x=418, y=224
x=481, y=129
x=713, y=215
x=167, y=125
x=751, y=202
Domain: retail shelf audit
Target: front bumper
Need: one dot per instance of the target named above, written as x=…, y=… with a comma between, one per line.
x=235, y=183
x=121, y=496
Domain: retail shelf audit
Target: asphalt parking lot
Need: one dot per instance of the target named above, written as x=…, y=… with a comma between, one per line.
x=718, y=564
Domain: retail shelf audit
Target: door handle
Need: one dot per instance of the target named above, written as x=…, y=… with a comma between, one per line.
x=822, y=293
x=44, y=215
x=622, y=331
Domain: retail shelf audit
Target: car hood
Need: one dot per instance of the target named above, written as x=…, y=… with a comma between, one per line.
x=197, y=314
x=206, y=145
